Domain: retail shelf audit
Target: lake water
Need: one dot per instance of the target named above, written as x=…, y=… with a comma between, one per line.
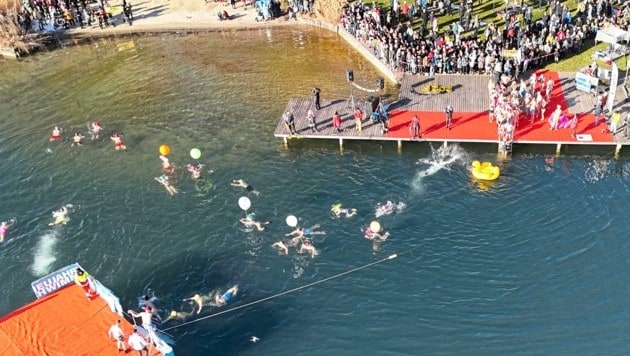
x=535, y=263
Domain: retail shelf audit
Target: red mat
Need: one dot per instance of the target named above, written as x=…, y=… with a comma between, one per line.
x=467, y=126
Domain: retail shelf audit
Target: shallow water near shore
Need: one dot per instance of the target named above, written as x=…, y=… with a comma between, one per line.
x=535, y=262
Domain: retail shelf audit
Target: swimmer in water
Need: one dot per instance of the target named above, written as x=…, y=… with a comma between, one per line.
x=242, y=184
x=4, y=228
x=222, y=299
x=281, y=246
x=56, y=134
x=76, y=139
x=163, y=179
x=301, y=232
x=178, y=315
x=95, y=129
x=118, y=143
x=147, y=305
x=167, y=166
x=307, y=246
x=195, y=171
x=250, y=221
x=200, y=300
x=389, y=208
x=60, y=216
x=338, y=211
x=375, y=236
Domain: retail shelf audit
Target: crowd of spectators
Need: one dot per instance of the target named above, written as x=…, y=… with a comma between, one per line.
x=409, y=37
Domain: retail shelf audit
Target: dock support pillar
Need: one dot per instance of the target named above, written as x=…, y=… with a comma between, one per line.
x=340, y=143
x=558, y=147
x=445, y=144
x=399, y=146
x=286, y=142
x=618, y=149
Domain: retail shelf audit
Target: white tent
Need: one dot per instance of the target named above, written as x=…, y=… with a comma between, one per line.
x=612, y=35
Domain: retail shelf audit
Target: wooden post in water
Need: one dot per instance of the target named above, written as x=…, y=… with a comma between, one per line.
x=286, y=142
x=558, y=147
x=618, y=149
x=340, y=143
x=399, y=146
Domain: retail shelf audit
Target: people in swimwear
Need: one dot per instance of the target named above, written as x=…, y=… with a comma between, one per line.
x=302, y=232
x=118, y=143
x=167, y=166
x=375, y=236
x=388, y=208
x=147, y=305
x=85, y=281
x=339, y=211
x=60, y=216
x=195, y=171
x=307, y=246
x=222, y=299
x=281, y=246
x=146, y=316
x=4, y=228
x=56, y=134
x=200, y=300
x=250, y=220
x=178, y=315
x=76, y=139
x=95, y=129
x=163, y=179
x=242, y=184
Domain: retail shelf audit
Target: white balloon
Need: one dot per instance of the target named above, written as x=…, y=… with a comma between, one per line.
x=292, y=220
x=375, y=226
x=244, y=203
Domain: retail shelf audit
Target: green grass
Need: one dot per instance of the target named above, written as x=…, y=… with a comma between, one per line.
x=488, y=12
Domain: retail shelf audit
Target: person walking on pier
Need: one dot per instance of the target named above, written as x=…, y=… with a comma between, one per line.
x=315, y=92
x=414, y=127
x=449, y=116
x=310, y=117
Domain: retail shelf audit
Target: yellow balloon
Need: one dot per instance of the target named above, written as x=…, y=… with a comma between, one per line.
x=375, y=226
x=165, y=150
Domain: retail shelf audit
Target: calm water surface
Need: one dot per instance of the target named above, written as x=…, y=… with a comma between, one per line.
x=535, y=263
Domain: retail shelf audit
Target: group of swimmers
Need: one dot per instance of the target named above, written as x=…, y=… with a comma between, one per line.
x=168, y=171
x=94, y=128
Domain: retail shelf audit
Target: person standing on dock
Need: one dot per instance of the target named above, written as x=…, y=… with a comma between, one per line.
x=573, y=126
x=289, y=123
x=449, y=116
x=358, y=118
x=626, y=130
x=138, y=343
x=310, y=117
x=414, y=127
x=315, y=92
x=336, y=121
x=615, y=120
x=116, y=333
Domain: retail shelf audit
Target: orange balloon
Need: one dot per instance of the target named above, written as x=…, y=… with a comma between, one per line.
x=165, y=150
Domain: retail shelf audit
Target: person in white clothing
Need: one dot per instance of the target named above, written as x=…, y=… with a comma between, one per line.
x=145, y=315
x=138, y=343
x=116, y=333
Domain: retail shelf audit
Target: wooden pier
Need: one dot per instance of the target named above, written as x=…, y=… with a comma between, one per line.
x=470, y=123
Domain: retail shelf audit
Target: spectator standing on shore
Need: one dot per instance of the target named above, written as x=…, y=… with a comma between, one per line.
x=315, y=92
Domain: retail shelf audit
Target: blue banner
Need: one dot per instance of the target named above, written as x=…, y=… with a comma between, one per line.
x=55, y=281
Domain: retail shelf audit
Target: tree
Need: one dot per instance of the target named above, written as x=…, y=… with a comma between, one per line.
x=11, y=32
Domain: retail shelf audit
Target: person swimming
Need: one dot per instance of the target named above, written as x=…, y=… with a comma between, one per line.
x=56, y=134
x=95, y=129
x=178, y=315
x=76, y=139
x=307, y=246
x=301, y=232
x=250, y=220
x=388, y=208
x=60, y=216
x=338, y=210
x=222, y=299
x=118, y=143
x=281, y=246
x=195, y=171
x=242, y=184
x=163, y=179
x=167, y=166
x=369, y=234
x=4, y=228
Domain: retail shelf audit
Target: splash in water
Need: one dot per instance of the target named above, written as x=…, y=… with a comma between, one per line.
x=442, y=158
x=44, y=254
x=597, y=170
